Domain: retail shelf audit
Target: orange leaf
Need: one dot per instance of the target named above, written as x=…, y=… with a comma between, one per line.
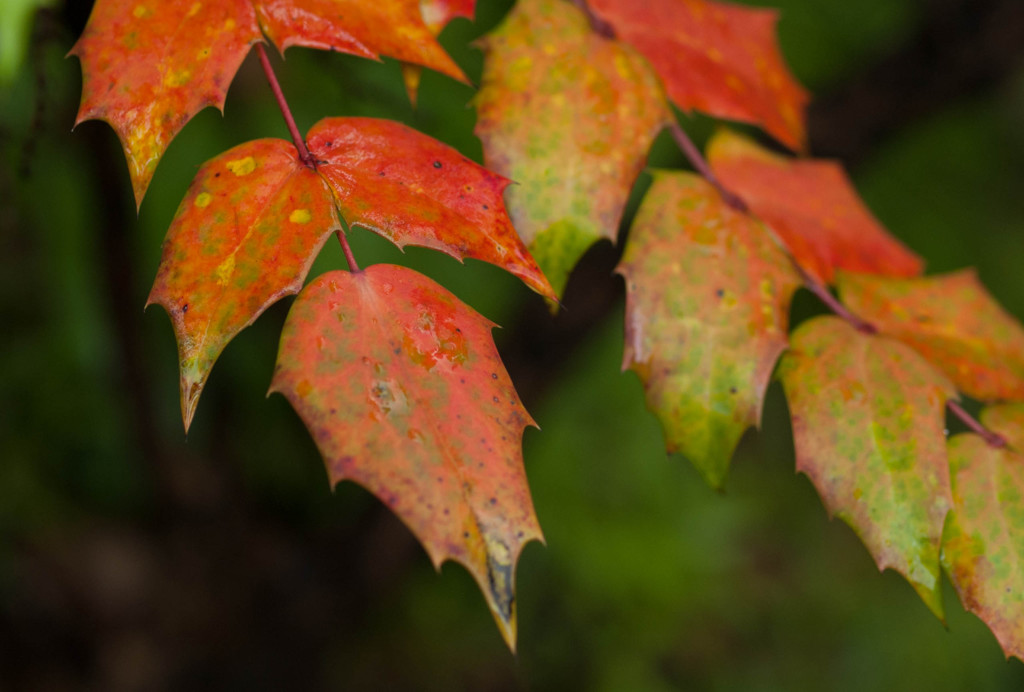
x=401, y=387
x=868, y=418
x=952, y=321
x=150, y=65
x=414, y=190
x=812, y=207
x=569, y=116
x=983, y=543
x=717, y=58
x=707, y=305
x=244, y=237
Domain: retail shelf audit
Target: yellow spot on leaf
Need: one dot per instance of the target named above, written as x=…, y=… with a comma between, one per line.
x=225, y=270
x=300, y=216
x=242, y=166
x=229, y=25
x=141, y=11
x=203, y=199
x=177, y=78
x=196, y=6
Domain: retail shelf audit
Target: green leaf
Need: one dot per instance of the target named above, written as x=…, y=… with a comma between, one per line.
x=707, y=305
x=569, y=116
x=983, y=543
x=868, y=425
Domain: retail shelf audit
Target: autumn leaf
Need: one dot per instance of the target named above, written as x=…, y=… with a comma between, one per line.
x=414, y=190
x=401, y=387
x=983, y=543
x=868, y=426
x=707, y=302
x=150, y=65
x=717, y=58
x=569, y=116
x=812, y=207
x=952, y=321
x=244, y=237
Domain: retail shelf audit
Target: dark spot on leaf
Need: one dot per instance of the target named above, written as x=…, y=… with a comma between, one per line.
x=381, y=174
x=732, y=390
x=447, y=511
x=495, y=399
x=216, y=175
x=493, y=501
x=720, y=293
x=465, y=534
x=494, y=375
x=437, y=164
x=486, y=207
x=329, y=144
x=184, y=308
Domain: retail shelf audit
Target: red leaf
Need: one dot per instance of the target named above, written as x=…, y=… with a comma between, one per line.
x=150, y=65
x=812, y=207
x=244, y=237
x=403, y=391
x=868, y=418
x=414, y=190
x=707, y=304
x=952, y=321
x=569, y=116
x=715, y=57
x=983, y=543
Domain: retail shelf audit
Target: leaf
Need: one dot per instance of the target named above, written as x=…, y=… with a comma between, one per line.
x=395, y=28
x=569, y=116
x=244, y=237
x=150, y=65
x=983, y=544
x=401, y=387
x=414, y=190
x=707, y=303
x=952, y=321
x=437, y=13
x=813, y=208
x=717, y=58
x=868, y=421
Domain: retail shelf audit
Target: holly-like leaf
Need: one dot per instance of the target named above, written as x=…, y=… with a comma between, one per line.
x=707, y=304
x=395, y=28
x=150, y=65
x=569, y=116
x=414, y=190
x=812, y=207
x=983, y=543
x=244, y=237
x=868, y=421
x=953, y=322
x=401, y=387
x=717, y=58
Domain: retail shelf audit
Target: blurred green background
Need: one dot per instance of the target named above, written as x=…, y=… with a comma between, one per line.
x=134, y=559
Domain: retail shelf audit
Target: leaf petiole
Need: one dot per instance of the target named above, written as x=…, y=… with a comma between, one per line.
x=993, y=438
x=349, y=257
x=275, y=86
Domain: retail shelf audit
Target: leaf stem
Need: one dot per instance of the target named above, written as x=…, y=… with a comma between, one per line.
x=993, y=439
x=275, y=86
x=700, y=164
x=349, y=257
x=597, y=25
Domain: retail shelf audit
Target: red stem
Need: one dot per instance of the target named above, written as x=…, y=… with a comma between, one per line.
x=349, y=257
x=275, y=86
x=993, y=439
x=701, y=166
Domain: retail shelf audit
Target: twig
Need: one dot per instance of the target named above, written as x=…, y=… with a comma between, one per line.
x=701, y=166
x=304, y=154
x=993, y=439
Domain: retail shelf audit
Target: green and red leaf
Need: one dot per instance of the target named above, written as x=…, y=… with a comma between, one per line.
x=244, y=237
x=868, y=425
x=402, y=388
x=812, y=207
x=952, y=321
x=707, y=304
x=149, y=65
x=717, y=58
x=983, y=543
x=569, y=116
x=414, y=190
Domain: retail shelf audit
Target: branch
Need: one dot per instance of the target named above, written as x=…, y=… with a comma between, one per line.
x=993, y=439
x=300, y=144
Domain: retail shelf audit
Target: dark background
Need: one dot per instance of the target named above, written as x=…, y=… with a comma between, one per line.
x=134, y=559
